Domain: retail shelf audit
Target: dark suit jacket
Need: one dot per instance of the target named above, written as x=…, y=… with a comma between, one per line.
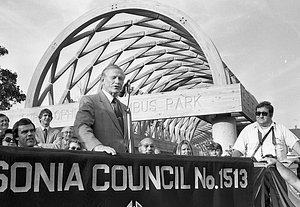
x=52, y=135
x=96, y=123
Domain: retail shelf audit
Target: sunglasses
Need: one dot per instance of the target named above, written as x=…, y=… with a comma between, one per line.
x=8, y=139
x=75, y=148
x=258, y=113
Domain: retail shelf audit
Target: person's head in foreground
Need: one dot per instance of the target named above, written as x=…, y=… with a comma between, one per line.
x=147, y=146
x=24, y=132
x=215, y=149
x=183, y=148
x=75, y=144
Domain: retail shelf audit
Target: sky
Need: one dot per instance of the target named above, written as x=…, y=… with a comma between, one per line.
x=259, y=40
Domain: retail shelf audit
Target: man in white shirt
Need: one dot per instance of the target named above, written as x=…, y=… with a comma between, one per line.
x=265, y=137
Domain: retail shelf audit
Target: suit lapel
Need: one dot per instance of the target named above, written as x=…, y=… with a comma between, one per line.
x=40, y=135
x=107, y=105
x=49, y=135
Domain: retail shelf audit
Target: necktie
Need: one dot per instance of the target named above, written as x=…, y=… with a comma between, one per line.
x=45, y=135
x=118, y=112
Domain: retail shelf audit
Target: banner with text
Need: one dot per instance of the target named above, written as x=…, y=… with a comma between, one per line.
x=45, y=177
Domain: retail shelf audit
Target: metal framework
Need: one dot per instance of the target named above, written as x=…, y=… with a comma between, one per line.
x=159, y=48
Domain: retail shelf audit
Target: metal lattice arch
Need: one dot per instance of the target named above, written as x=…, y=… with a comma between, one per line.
x=159, y=48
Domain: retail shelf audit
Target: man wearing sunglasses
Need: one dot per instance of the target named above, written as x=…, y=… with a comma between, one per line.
x=75, y=144
x=265, y=137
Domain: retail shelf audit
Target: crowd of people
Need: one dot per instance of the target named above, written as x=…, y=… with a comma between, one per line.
x=100, y=125
x=25, y=134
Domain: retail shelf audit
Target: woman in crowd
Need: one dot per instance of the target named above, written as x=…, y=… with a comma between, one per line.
x=183, y=148
x=63, y=137
x=8, y=139
x=66, y=135
x=4, y=123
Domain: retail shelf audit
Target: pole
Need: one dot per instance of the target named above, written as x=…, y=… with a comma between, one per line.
x=129, y=120
x=129, y=129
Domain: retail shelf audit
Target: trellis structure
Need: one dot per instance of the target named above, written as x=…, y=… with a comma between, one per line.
x=159, y=48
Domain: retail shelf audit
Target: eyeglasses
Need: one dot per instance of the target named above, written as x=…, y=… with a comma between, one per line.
x=8, y=139
x=258, y=113
x=148, y=145
x=215, y=150
x=75, y=148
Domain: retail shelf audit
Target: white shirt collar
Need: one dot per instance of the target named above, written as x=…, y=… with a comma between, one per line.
x=46, y=128
x=259, y=127
x=108, y=95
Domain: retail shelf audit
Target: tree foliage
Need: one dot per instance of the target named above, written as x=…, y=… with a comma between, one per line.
x=3, y=51
x=10, y=93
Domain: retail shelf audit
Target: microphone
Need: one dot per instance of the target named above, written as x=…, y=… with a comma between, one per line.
x=125, y=88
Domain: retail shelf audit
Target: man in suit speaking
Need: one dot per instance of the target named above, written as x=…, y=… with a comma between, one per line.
x=101, y=119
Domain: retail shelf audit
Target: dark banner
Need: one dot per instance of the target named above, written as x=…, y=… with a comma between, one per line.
x=43, y=177
x=270, y=189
